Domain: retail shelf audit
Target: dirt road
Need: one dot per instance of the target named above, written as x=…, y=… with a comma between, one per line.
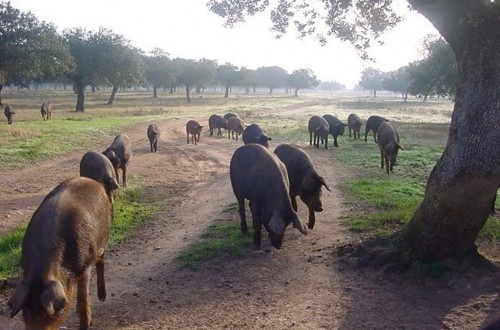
x=301, y=286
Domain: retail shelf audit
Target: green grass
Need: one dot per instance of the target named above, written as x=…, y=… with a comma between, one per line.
x=219, y=243
x=10, y=252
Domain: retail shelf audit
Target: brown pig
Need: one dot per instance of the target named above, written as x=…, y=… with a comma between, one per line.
x=153, y=134
x=193, y=128
x=9, y=113
x=372, y=124
x=257, y=175
x=96, y=166
x=388, y=142
x=235, y=127
x=304, y=179
x=354, y=123
x=216, y=122
x=318, y=128
x=67, y=234
x=119, y=153
x=46, y=110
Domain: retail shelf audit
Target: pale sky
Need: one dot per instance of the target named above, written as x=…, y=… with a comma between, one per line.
x=187, y=29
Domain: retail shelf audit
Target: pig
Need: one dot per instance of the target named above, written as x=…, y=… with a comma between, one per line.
x=354, y=123
x=229, y=115
x=255, y=134
x=153, y=134
x=96, y=166
x=259, y=176
x=67, y=234
x=304, y=179
x=235, y=127
x=388, y=142
x=335, y=127
x=119, y=153
x=216, y=122
x=9, y=113
x=46, y=110
x=319, y=128
x=193, y=128
x=372, y=124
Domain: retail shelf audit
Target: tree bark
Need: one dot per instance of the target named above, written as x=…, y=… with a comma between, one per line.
x=188, y=89
x=464, y=181
x=297, y=92
x=226, y=94
x=79, y=89
x=155, y=91
x=113, y=94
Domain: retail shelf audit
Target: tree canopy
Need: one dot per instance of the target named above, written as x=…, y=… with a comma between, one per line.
x=302, y=78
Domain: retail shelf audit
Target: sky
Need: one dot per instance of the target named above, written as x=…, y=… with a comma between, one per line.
x=187, y=29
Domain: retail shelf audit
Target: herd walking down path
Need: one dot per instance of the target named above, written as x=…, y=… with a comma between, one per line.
x=304, y=285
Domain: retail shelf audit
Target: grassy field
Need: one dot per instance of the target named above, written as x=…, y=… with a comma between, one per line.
x=383, y=203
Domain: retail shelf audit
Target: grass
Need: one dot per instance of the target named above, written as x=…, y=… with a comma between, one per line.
x=219, y=243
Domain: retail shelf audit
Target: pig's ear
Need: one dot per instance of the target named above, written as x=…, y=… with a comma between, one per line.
x=298, y=224
x=53, y=298
x=323, y=182
x=400, y=146
x=19, y=297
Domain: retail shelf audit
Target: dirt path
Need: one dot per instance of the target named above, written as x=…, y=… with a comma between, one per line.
x=301, y=286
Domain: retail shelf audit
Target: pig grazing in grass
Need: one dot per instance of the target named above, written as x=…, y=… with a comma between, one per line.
x=318, y=129
x=388, y=142
x=119, y=153
x=304, y=179
x=46, y=110
x=153, y=134
x=372, y=124
x=193, y=129
x=335, y=127
x=9, y=113
x=67, y=234
x=257, y=175
x=255, y=134
x=235, y=127
x=354, y=123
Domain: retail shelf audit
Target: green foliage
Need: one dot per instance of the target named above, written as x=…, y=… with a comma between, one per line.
x=10, y=252
x=219, y=243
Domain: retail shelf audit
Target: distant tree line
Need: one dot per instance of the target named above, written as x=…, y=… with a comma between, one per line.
x=436, y=75
x=33, y=52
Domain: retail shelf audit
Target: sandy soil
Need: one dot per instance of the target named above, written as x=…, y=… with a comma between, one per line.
x=302, y=286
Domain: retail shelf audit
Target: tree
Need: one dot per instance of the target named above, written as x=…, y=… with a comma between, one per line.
x=437, y=73
x=272, y=77
x=228, y=75
x=30, y=50
x=249, y=79
x=302, y=78
x=118, y=63
x=160, y=70
x=464, y=181
x=397, y=81
x=331, y=86
x=371, y=79
x=206, y=70
x=195, y=73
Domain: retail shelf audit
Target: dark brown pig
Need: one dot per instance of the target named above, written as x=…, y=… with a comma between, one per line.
x=153, y=136
x=9, y=113
x=372, y=124
x=335, y=127
x=255, y=134
x=257, y=175
x=319, y=129
x=119, y=153
x=193, y=128
x=67, y=234
x=46, y=110
x=388, y=142
x=216, y=122
x=304, y=179
x=235, y=127
x=229, y=115
x=96, y=166
x=354, y=123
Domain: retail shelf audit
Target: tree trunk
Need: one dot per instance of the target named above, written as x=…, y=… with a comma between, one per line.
x=155, y=91
x=1, y=87
x=374, y=93
x=464, y=181
x=112, y=96
x=188, y=89
x=297, y=92
x=226, y=94
x=79, y=90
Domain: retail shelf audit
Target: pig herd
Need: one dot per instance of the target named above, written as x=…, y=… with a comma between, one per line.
x=69, y=231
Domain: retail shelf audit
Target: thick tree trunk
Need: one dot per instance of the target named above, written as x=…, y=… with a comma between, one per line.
x=463, y=183
x=155, y=91
x=226, y=94
x=79, y=89
x=297, y=92
x=113, y=94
